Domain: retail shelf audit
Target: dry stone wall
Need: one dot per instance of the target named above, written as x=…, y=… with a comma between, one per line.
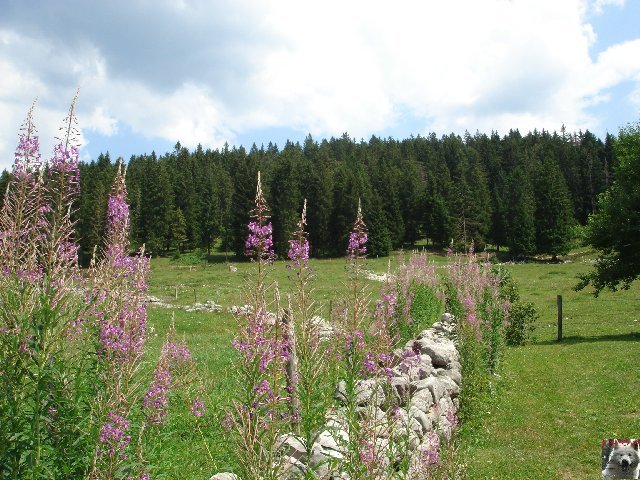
x=415, y=405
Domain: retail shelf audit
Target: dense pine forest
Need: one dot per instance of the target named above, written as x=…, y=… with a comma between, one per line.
x=526, y=193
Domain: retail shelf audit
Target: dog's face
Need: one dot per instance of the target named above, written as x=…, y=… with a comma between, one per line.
x=625, y=457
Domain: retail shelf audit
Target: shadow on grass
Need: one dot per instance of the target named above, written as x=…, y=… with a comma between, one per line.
x=574, y=339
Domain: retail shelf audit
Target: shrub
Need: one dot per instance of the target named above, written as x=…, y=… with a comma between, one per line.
x=521, y=317
x=521, y=324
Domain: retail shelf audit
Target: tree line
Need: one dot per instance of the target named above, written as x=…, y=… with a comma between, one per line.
x=525, y=193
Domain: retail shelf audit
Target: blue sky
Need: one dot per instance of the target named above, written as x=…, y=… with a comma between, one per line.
x=152, y=73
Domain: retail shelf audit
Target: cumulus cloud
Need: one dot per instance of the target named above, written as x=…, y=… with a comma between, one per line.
x=208, y=72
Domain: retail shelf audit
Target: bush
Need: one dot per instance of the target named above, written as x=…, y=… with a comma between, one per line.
x=521, y=317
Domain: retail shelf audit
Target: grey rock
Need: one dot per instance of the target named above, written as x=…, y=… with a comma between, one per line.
x=451, y=388
x=422, y=400
x=433, y=385
x=224, y=476
x=442, y=352
x=291, y=446
x=368, y=391
x=425, y=421
x=447, y=318
x=401, y=388
x=291, y=468
x=452, y=372
x=405, y=424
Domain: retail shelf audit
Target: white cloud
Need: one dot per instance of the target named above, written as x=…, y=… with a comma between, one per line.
x=330, y=68
x=101, y=122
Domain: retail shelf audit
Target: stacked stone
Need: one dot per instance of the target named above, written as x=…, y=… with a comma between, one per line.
x=419, y=396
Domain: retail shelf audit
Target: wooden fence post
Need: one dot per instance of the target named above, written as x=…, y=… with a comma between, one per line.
x=559, y=302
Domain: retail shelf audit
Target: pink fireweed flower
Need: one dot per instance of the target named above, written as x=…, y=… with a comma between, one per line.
x=299, y=252
x=358, y=238
x=369, y=366
x=259, y=243
x=27, y=155
x=257, y=345
x=155, y=404
x=113, y=438
x=122, y=285
x=431, y=454
x=354, y=341
x=172, y=356
x=197, y=408
x=299, y=246
x=367, y=453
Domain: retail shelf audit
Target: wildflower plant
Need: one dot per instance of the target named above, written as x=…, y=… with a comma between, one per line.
x=311, y=377
x=361, y=358
x=473, y=296
x=47, y=382
x=262, y=409
x=118, y=316
x=71, y=346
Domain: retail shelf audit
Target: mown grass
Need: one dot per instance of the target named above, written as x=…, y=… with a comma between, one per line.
x=557, y=400
x=553, y=403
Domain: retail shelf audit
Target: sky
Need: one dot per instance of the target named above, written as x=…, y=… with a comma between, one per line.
x=151, y=73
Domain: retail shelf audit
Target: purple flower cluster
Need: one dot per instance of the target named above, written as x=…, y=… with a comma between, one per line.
x=299, y=246
x=357, y=244
x=358, y=238
x=259, y=243
x=197, y=408
x=122, y=285
x=27, y=158
x=477, y=289
x=299, y=252
x=64, y=162
x=257, y=345
x=118, y=216
x=113, y=438
x=369, y=366
x=354, y=341
x=156, y=404
x=431, y=454
x=387, y=304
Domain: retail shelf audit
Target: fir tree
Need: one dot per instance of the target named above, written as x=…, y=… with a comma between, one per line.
x=553, y=217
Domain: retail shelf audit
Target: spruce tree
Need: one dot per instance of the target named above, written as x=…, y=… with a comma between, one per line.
x=520, y=225
x=554, y=213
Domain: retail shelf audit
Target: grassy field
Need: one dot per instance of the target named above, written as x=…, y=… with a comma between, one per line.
x=557, y=400
x=553, y=404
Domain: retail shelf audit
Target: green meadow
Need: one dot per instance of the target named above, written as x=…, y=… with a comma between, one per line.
x=552, y=404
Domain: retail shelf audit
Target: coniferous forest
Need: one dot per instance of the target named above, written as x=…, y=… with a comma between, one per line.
x=526, y=193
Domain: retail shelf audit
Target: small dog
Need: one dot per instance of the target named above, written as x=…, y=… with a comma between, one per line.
x=623, y=461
